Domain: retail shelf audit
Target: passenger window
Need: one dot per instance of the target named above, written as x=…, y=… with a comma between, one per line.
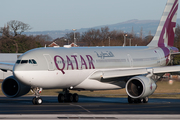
x=24, y=61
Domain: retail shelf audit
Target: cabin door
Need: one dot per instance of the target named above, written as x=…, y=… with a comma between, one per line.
x=160, y=57
x=49, y=62
x=130, y=60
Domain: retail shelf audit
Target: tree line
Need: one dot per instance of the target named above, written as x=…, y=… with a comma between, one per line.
x=13, y=41
x=104, y=37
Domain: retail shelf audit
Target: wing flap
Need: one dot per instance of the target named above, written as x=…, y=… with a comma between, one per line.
x=176, y=53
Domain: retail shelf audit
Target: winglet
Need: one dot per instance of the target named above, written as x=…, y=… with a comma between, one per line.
x=165, y=32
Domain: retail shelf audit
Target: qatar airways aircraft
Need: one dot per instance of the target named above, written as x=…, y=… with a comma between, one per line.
x=135, y=68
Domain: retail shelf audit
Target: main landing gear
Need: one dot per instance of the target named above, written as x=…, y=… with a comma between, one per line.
x=65, y=96
x=138, y=100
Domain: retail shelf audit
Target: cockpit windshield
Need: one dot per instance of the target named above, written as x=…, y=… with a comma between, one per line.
x=18, y=61
x=30, y=61
x=24, y=61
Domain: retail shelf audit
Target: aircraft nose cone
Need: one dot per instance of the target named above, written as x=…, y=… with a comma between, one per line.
x=19, y=74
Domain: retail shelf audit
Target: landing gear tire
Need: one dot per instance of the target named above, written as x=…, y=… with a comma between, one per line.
x=130, y=100
x=137, y=100
x=145, y=100
x=69, y=97
x=65, y=96
x=75, y=97
x=34, y=100
x=60, y=98
x=37, y=101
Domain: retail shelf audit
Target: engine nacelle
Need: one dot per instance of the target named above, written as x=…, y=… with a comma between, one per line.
x=13, y=88
x=140, y=87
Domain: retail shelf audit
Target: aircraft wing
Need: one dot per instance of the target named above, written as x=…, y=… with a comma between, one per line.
x=167, y=69
x=6, y=66
x=177, y=53
x=107, y=74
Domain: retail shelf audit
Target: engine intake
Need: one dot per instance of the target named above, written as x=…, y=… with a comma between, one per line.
x=140, y=87
x=13, y=88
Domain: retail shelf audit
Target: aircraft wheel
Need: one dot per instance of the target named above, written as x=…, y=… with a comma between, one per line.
x=37, y=101
x=130, y=100
x=34, y=100
x=136, y=100
x=69, y=97
x=140, y=100
x=75, y=97
x=145, y=100
x=60, y=98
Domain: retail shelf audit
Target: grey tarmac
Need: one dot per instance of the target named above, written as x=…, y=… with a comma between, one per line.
x=88, y=108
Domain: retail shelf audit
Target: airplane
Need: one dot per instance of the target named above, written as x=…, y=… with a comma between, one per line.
x=135, y=68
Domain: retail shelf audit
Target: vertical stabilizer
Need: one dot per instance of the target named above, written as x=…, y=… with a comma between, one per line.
x=166, y=30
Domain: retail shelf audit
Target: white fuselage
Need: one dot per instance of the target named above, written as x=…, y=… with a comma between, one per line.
x=71, y=67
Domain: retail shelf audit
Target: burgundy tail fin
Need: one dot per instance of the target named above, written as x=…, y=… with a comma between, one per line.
x=166, y=30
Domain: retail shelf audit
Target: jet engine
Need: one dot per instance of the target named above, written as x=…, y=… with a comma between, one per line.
x=13, y=88
x=140, y=87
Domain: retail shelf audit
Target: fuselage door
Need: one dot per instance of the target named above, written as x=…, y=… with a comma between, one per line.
x=160, y=56
x=49, y=62
x=130, y=60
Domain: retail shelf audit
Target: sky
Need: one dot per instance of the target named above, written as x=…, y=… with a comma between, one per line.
x=44, y=15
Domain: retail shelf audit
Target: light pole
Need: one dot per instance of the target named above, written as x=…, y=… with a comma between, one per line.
x=125, y=35
x=130, y=40
x=109, y=41
x=74, y=36
x=67, y=41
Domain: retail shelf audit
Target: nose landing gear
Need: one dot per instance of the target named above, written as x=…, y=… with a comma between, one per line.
x=37, y=100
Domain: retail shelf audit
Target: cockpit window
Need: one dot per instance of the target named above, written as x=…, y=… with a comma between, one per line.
x=34, y=62
x=24, y=61
x=30, y=61
x=18, y=61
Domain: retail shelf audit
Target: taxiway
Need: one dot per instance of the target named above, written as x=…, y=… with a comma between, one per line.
x=88, y=105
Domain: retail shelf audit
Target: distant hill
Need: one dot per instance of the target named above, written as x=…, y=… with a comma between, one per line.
x=147, y=25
